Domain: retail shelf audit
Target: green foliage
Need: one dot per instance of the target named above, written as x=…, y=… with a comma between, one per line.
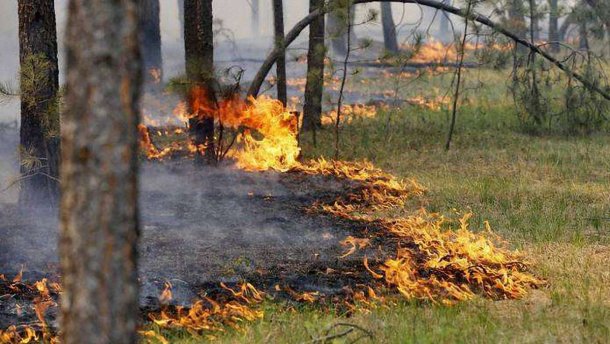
x=549, y=102
x=545, y=194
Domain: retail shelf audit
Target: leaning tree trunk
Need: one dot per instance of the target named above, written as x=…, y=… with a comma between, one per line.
x=553, y=25
x=389, y=28
x=312, y=109
x=292, y=35
x=99, y=213
x=39, y=84
x=150, y=42
x=278, y=23
x=199, y=54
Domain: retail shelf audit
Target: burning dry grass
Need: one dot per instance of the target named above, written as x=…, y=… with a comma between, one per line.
x=431, y=260
x=431, y=263
x=43, y=295
x=209, y=316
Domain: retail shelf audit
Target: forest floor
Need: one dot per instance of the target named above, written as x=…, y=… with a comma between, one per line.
x=547, y=195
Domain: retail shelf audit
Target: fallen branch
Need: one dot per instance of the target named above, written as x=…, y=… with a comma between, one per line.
x=303, y=23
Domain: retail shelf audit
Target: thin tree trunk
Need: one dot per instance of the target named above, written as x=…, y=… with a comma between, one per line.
x=278, y=23
x=39, y=84
x=389, y=28
x=199, y=54
x=534, y=26
x=516, y=16
x=181, y=17
x=99, y=217
x=256, y=15
x=583, y=41
x=312, y=109
x=150, y=41
x=444, y=27
x=292, y=35
x=342, y=87
x=553, y=25
x=336, y=30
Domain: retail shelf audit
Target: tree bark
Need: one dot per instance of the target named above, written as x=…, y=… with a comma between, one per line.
x=199, y=54
x=312, y=108
x=583, y=41
x=39, y=84
x=255, y=17
x=553, y=25
x=444, y=27
x=99, y=217
x=181, y=17
x=292, y=35
x=335, y=30
x=150, y=42
x=337, y=22
x=278, y=23
x=389, y=28
x=534, y=19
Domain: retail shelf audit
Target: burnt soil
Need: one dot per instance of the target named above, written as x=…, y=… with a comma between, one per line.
x=201, y=227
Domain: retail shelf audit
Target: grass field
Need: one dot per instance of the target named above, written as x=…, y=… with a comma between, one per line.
x=546, y=195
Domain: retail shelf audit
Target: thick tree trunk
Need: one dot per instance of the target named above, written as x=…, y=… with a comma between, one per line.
x=150, y=41
x=292, y=35
x=39, y=80
x=99, y=217
x=389, y=28
x=312, y=109
x=199, y=54
x=278, y=23
x=553, y=25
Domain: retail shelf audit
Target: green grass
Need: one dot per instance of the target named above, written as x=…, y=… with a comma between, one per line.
x=547, y=195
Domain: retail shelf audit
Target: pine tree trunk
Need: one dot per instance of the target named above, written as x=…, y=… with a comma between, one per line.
x=444, y=27
x=255, y=18
x=389, y=28
x=516, y=15
x=199, y=54
x=583, y=41
x=181, y=17
x=312, y=109
x=336, y=30
x=99, y=217
x=553, y=25
x=150, y=42
x=39, y=80
x=278, y=24
x=534, y=21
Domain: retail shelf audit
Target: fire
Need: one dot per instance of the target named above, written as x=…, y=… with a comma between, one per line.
x=209, y=315
x=349, y=113
x=265, y=131
x=42, y=300
x=431, y=262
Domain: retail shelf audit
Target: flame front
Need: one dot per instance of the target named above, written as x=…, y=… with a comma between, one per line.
x=266, y=132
